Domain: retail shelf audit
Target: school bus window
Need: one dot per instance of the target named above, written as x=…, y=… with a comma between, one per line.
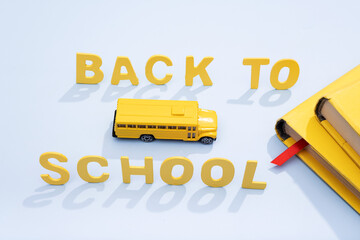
x=141, y=126
x=194, y=128
x=189, y=135
x=189, y=128
x=171, y=127
x=162, y=127
x=151, y=126
x=121, y=125
x=193, y=135
x=131, y=126
x=182, y=128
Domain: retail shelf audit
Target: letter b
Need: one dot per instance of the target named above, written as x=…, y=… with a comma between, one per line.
x=82, y=67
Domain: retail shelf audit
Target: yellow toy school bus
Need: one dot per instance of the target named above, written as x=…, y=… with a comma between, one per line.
x=164, y=119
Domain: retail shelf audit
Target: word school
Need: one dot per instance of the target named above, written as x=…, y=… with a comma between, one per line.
x=166, y=168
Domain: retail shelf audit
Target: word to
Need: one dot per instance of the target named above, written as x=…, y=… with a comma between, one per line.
x=191, y=71
x=167, y=165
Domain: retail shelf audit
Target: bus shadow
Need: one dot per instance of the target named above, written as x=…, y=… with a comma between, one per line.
x=114, y=148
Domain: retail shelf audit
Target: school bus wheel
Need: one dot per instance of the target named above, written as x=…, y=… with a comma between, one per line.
x=206, y=140
x=147, y=138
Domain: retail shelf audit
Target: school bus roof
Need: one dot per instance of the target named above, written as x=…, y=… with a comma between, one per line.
x=165, y=112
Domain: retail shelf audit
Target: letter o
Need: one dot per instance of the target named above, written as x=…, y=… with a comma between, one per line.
x=228, y=172
x=294, y=72
x=149, y=69
x=167, y=166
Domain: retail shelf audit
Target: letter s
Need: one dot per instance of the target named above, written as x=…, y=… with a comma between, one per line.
x=44, y=162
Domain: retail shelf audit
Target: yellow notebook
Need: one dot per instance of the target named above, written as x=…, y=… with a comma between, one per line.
x=323, y=154
x=339, y=113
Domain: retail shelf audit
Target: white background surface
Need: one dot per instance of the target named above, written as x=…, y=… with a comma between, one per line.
x=44, y=110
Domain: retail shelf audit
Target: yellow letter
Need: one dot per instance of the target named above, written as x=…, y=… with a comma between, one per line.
x=130, y=75
x=149, y=66
x=255, y=64
x=228, y=172
x=167, y=166
x=249, y=176
x=192, y=71
x=147, y=170
x=81, y=68
x=64, y=174
x=83, y=172
x=294, y=71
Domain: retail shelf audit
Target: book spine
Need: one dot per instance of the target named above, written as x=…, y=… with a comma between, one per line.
x=341, y=141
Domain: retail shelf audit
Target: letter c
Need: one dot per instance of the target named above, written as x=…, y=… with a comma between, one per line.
x=83, y=171
x=149, y=69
